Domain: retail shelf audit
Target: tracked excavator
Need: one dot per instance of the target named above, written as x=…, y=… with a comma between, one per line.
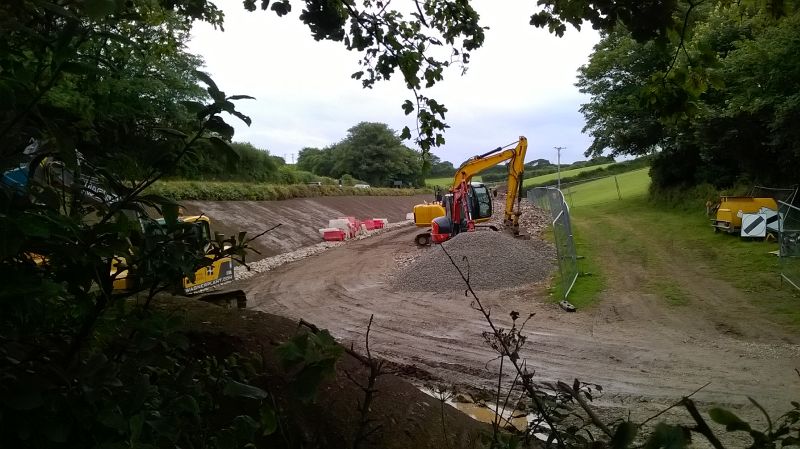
x=468, y=203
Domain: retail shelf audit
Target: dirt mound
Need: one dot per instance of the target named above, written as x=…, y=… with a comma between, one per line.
x=494, y=260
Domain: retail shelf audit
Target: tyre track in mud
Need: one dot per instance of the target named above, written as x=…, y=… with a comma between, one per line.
x=635, y=347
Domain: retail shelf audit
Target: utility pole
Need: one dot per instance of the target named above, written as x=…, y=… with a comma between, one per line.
x=559, y=164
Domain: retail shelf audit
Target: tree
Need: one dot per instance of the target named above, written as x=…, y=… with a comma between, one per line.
x=618, y=117
x=371, y=152
x=439, y=168
x=712, y=106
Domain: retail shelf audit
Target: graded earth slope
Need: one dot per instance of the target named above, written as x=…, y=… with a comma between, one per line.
x=300, y=218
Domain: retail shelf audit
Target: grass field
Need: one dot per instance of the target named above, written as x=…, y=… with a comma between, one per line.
x=564, y=174
x=638, y=232
x=446, y=181
x=633, y=184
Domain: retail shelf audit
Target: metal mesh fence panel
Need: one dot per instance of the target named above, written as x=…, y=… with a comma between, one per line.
x=552, y=200
x=789, y=236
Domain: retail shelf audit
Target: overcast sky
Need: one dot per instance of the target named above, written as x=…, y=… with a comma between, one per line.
x=521, y=82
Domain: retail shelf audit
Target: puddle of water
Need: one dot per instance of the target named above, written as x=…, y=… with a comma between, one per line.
x=485, y=413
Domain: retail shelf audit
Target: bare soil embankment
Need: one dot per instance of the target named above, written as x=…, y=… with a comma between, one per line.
x=300, y=218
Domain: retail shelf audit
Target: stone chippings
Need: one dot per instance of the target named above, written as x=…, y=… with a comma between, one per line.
x=495, y=260
x=533, y=220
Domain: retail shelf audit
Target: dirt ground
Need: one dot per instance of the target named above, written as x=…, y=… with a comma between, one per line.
x=639, y=350
x=644, y=351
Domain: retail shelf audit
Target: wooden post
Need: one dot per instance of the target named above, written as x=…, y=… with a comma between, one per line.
x=619, y=195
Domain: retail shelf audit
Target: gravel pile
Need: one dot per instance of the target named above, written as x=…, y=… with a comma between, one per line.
x=270, y=263
x=533, y=221
x=496, y=260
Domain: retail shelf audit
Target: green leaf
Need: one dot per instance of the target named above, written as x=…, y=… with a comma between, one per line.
x=245, y=427
x=238, y=389
x=79, y=68
x=306, y=383
x=293, y=351
x=98, y=9
x=243, y=117
x=113, y=419
x=217, y=125
x=34, y=225
x=187, y=404
x=170, y=212
x=728, y=419
x=136, y=423
x=281, y=8
x=624, y=435
x=269, y=420
x=171, y=132
x=666, y=436
x=213, y=90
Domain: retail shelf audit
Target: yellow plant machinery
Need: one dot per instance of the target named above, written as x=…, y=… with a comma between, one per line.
x=478, y=199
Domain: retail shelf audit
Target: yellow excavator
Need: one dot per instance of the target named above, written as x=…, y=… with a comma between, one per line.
x=218, y=271
x=469, y=202
x=51, y=172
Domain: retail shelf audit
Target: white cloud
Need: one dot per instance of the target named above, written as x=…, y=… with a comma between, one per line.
x=520, y=82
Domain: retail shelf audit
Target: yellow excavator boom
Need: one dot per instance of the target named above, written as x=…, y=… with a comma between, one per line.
x=516, y=167
x=425, y=213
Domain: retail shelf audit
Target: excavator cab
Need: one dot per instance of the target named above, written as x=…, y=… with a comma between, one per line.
x=480, y=201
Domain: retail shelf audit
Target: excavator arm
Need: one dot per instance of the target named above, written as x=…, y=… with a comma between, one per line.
x=516, y=167
x=464, y=205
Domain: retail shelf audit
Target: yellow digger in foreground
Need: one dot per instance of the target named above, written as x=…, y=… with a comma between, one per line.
x=217, y=272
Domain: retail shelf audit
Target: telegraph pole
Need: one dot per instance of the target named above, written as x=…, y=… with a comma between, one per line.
x=559, y=164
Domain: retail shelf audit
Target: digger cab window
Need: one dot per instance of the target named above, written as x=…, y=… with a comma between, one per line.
x=481, y=202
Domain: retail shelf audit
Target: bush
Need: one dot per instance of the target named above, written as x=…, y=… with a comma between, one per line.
x=240, y=191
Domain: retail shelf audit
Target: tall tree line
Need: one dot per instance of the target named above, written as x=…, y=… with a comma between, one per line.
x=717, y=104
x=371, y=152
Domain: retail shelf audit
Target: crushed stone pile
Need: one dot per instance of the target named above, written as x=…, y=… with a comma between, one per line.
x=533, y=220
x=496, y=260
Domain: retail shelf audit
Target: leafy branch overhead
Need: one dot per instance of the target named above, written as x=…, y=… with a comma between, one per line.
x=419, y=45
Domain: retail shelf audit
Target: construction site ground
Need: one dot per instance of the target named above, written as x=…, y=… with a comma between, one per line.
x=645, y=352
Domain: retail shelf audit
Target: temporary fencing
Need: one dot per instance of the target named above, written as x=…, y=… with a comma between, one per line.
x=552, y=200
x=789, y=237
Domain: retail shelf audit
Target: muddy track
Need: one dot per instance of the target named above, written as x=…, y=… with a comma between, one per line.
x=635, y=346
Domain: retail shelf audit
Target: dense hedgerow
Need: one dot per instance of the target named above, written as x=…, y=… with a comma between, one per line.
x=241, y=191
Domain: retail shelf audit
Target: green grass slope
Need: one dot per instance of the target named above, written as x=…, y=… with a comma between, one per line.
x=564, y=174
x=635, y=230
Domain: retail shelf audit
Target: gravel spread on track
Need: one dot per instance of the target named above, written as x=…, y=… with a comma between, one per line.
x=496, y=260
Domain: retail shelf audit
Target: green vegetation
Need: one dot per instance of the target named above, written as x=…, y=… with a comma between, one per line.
x=548, y=178
x=251, y=165
x=633, y=184
x=590, y=282
x=446, y=181
x=240, y=191
x=109, y=96
x=647, y=233
x=715, y=103
x=372, y=152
